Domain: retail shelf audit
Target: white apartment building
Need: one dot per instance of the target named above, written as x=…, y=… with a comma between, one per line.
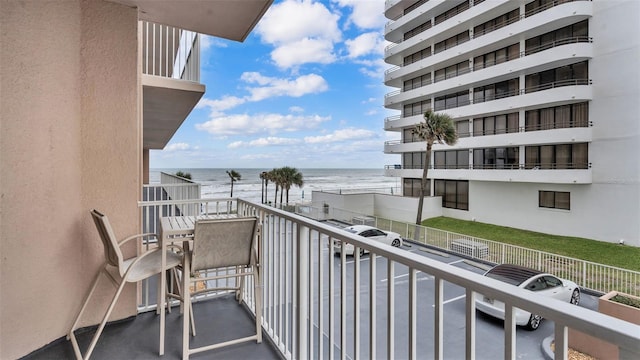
x=545, y=96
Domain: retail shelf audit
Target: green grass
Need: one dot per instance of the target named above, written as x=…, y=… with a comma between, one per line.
x=622, y=256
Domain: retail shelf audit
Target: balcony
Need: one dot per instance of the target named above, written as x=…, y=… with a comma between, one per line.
x=318, y=304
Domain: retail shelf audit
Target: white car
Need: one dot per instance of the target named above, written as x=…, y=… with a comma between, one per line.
x=529, y=279
x=371, y=233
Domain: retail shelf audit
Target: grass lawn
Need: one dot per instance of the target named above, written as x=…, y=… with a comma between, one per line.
x=622, y=256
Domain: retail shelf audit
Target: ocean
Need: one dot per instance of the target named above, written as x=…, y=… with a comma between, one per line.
x=216, y=183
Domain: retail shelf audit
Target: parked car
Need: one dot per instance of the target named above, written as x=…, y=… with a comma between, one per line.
x=371, y=233
x=529, y=279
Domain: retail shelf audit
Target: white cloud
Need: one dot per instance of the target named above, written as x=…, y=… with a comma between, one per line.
x=290, y=21
x=225, y=103
x=303, y=51
x=271, y=87
x=301, y=32
x=266, y=141
x=207, y=42
x=365, y=44
x=297, y=109
x=243, y=124
x=341, y=135
x=366, y=14
x=178, y=147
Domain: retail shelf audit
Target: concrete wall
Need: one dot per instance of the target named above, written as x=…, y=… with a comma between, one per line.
x=386, y=206
x=70, y=136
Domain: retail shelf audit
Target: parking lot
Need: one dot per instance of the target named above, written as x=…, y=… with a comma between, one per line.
x=489, y=331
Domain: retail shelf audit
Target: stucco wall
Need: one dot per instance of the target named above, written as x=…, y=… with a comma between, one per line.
x=70, y=142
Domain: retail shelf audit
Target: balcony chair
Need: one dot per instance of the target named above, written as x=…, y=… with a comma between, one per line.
x=120, y=272
x=232, y=247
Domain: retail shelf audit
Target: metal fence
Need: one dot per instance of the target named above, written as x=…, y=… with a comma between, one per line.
x=589, y=275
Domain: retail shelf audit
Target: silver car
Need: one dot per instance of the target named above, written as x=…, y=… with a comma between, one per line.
x=371, y=233
x=529, y=279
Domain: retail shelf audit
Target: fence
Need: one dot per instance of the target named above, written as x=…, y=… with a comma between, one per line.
x=592, y=276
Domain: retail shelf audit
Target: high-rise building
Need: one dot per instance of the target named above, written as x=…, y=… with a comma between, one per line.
x=545, y=97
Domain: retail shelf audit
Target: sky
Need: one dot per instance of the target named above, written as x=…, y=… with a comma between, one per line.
x=305, y=89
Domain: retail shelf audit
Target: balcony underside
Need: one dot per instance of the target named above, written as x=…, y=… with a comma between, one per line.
x=167, y=103
x=217, y=320
x=227, y=19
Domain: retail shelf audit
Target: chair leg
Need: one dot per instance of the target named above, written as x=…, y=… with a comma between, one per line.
x=71, y=336
x=94, y=341
x=258, y=303
x=188, y=312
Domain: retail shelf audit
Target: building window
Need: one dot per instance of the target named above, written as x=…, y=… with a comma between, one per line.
x=462, y=128
x=414, y=6
x=499, y=124
x=554, y=200
x=496, y=91
x=497, y=23
x=561, y=156
x=496, y=158
x=411, y=187
x=451, y=159
x=417, y=56
x=452, y=71
x=417, y=108
x=578, y=32
x=451, y=42
x=565, y=116
x=417, y=30
x=569, y=75
x=452, y=101
x=508, y=53
x=417, y=82
x=413, y=160
x=408, y=136
x=455, y=193
x=452, y=12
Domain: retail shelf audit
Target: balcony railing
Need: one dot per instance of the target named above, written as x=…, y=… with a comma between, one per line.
x=319, y=305
x=170, y=52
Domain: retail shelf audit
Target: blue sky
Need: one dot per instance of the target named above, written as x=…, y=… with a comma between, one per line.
x=305, y=89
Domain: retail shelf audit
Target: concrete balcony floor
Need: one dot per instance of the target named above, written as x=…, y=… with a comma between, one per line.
x=218, y=319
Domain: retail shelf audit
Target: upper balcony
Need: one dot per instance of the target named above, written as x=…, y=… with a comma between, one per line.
x=171, y=55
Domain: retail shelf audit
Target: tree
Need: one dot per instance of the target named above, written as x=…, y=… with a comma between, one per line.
x=264, y=176
x=276, y=178
x=290, y=176
x=435, y=128
x=235, y=176
x=183, y=175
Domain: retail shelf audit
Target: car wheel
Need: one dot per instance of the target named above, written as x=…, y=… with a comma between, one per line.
x=575, y=297
x=534, y=322
x=395, y=242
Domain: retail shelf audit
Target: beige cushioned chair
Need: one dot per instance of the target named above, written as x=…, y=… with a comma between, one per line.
x=228, y=244
x=120, y=272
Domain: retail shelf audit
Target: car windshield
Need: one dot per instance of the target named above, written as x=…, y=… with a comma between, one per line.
x=511, y=274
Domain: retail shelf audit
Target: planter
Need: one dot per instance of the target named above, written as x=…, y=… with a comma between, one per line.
x=598, y=348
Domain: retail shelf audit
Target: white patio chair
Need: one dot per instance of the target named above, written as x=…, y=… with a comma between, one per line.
x=222, y=244
x=120, y=272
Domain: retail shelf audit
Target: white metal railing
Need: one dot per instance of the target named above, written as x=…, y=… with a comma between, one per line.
x=170, y=52
x=317, y=305
x=596, y=277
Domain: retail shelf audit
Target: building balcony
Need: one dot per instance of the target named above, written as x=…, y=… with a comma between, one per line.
x=319, y=304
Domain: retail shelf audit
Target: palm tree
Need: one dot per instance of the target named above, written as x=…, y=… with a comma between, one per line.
x=264, y=176
x=435, y=128
x=290, y=176
x=235, y=176
x=276, y=178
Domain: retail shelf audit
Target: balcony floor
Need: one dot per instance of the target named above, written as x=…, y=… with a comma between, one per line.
x=217, y=320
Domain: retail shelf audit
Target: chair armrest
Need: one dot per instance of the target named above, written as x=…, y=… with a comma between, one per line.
x=135, y=237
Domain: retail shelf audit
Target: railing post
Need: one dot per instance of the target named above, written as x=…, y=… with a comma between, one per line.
x=302, y=312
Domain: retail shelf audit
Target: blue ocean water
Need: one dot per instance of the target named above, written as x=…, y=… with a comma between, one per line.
x=216, y=183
